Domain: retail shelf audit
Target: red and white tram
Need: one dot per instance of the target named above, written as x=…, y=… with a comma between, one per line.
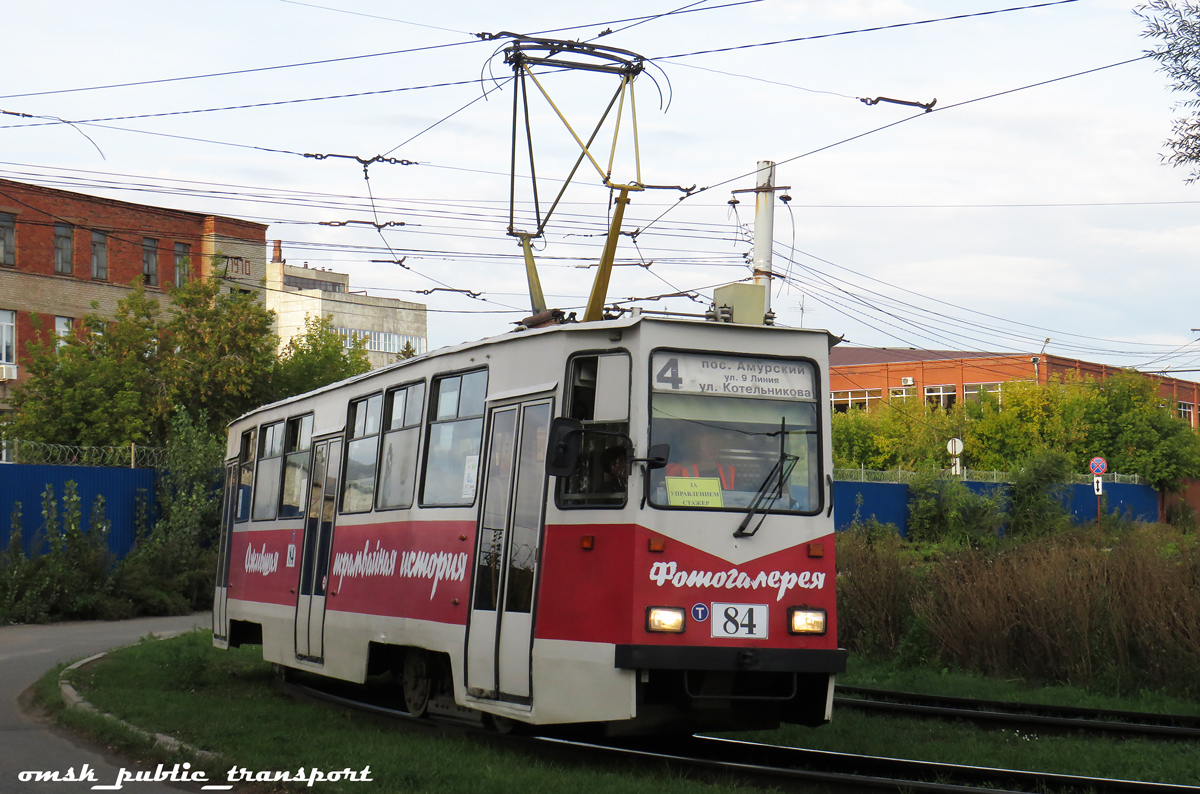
x=624, y=522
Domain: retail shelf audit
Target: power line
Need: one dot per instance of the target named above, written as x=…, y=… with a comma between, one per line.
x=860, y=30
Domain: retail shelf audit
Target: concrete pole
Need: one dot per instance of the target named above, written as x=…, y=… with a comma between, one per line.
x=764, y=225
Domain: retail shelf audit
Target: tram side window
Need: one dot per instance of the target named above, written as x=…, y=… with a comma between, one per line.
x=598, y=396
x=245, y=473
x=296, y=466
x=362, y=452
x=270, y=465
x=401, y=440
x=455, y=437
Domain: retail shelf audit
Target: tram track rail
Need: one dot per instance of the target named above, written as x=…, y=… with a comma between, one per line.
x=775, y=766
x=1021, y=716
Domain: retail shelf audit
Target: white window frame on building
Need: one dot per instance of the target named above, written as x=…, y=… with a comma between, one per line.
x=1187, y=412
x=380, y=341
x=183, y=263
x=150, y=261
x=8, y=239
x=944, y=395
x=63, y=328
x=99, y=256
x=971, y=391
x=902, y=392
x=64, y=248
x=843, y=401
x=8, y=336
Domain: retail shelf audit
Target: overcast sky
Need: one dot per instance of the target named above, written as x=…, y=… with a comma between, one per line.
x=983, y=225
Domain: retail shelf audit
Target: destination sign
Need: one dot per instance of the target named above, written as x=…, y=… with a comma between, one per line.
x=733, y=376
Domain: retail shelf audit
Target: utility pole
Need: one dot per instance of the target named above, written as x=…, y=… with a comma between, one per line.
x=764, y=228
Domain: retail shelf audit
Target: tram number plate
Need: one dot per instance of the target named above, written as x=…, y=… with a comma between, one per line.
x=739, y=620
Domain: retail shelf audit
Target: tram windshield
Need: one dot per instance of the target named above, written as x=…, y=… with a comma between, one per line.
x=742, y=431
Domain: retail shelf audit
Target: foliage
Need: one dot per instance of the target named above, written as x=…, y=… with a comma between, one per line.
x=70, y=580
x=316, y=358
x=1035, y=496
x=942, y=508
x=1175, y=24
x=1114, y=609
x=170, y=570
x=221, y=351
x=1121, y=418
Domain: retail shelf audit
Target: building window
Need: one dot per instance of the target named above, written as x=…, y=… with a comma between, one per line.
x=381, y=341
x=300, y=282
x=183, y=263
x=843, y=401
x=8, y=337
x=455, y=437
x=63, y=327
x=973, y=391
x=150, y=261
x=945, y=396
x=1186, y=411
x=99, y=256
x=902, y=392
x=62, y=248
x=401, y=443
x=362, y=453
x=8, y=239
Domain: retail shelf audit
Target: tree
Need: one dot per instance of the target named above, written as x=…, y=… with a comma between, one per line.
x=1175, y=24
x=105, y=387
x=221, y=352
x=119, y=381
x=316, y=358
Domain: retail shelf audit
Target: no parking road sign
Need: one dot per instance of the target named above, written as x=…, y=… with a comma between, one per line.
x=1098, y=465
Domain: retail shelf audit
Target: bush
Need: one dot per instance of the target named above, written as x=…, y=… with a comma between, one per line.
x=943, y=509
x=1036, y=495
x=875, y=585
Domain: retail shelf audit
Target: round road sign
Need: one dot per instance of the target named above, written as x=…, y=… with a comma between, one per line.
x=1098, y=465
x=954, y=446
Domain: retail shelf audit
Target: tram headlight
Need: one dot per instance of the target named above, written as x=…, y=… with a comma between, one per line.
x=665, y=619
x=803, y=620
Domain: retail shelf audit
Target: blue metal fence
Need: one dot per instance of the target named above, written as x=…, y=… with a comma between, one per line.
x=120, y=488
x=887, y=502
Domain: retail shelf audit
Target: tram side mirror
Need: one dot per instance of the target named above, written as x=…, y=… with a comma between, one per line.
x=658, y=456
x=562, y=452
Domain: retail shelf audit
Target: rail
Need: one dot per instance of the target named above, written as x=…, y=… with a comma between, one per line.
x=973, y=475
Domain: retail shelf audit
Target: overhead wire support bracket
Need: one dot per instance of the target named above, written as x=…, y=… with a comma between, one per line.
x=926, y=106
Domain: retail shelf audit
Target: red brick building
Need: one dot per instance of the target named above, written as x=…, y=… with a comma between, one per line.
x=60, y=251
x=861, y=376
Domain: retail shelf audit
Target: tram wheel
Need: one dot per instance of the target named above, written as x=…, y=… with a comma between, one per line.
x=417, y=681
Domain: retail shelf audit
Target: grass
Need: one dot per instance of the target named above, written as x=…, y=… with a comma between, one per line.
x=964, y=743
x=226, y=702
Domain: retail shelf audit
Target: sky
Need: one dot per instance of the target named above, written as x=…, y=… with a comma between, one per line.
x=1024, y=207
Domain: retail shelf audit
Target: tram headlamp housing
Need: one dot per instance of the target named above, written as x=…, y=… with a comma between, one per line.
x=668, y=620
x=805, y=620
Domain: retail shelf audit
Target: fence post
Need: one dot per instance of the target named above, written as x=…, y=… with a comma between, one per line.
x=131, y=453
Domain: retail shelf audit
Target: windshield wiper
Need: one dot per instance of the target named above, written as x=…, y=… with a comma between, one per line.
x=772, y=485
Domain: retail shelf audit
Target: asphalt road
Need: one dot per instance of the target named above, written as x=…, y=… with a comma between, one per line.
x=28, y=744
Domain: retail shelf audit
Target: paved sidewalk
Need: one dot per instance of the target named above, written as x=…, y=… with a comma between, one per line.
x=26, y=653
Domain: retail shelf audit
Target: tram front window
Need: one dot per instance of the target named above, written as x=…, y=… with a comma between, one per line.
x=725, y=450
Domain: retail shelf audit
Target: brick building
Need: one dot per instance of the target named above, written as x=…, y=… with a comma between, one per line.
x=862, y=376
x=62, y=251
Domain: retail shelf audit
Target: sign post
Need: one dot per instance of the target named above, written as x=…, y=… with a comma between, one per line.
x=1098, y=466
x=955, y=447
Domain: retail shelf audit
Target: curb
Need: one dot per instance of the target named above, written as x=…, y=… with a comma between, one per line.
x=74, y=700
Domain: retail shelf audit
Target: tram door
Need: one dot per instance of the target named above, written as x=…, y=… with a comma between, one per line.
x=224, y=550
x=500, y=633
x=314, y=558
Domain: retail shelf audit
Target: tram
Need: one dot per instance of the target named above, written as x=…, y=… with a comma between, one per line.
x=625, y=522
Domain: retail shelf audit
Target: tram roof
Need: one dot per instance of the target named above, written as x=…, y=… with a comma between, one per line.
x=627, y=321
